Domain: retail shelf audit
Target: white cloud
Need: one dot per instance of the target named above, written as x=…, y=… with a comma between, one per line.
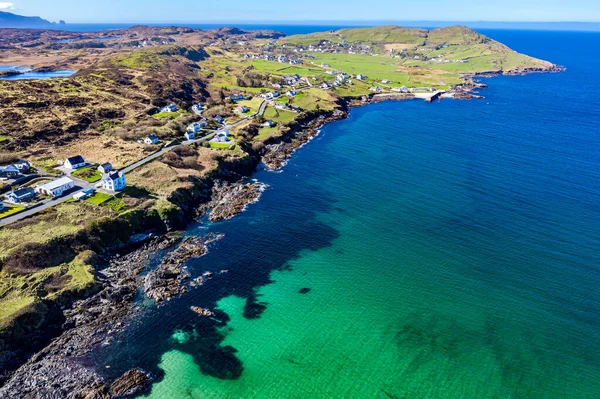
x=6, y=6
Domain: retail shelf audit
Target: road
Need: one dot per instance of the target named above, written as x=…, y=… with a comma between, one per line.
x=82, y=184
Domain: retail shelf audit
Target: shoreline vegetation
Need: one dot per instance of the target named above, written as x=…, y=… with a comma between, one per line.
x=69, y=274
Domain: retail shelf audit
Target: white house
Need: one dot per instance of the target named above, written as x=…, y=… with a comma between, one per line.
x=105, y=168
x=114, y=181
x=292, y=93
x=360, y=77
x=55, y=188
x=189, y=135
x=76, y=162
x=269, y=124
x=219, y=119
x=341, y=78
x=152, y=139
x=242, y=109
x=169, y=108
x=222, y=137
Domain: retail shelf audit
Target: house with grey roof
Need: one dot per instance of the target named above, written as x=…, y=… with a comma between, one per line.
x=55, y=188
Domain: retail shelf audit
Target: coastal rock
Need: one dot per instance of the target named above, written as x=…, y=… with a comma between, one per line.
x=132, y=382
x=165, y=281
x=230, y=200
x=55, y=371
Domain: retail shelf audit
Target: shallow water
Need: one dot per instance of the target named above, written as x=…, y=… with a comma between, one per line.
x=445, y=250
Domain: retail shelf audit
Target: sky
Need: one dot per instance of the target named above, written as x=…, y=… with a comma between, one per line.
x=213, y=11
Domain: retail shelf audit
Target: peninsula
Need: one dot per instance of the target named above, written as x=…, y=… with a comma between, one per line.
x=158, y=124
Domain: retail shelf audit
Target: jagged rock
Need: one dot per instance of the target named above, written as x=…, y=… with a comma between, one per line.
x=132, y=382
x=230, y=200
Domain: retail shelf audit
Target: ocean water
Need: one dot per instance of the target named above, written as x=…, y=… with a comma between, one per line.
x=445, y=250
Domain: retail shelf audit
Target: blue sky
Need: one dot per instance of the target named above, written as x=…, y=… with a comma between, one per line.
x=305, y=10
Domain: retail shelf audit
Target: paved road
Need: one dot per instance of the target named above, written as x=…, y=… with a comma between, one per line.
x=82, y=184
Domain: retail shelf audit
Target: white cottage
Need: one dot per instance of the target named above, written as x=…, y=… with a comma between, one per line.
x=76, y=162
x=55, y=188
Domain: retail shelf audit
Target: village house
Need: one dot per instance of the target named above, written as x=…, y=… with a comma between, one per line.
x=325, y=86
x=23, y=166
x=196, y=127
x=292, y=93
x=197, y=108
x=376, y=89
x=385, y=81
x=222, y=137
x=219, y=119
x=169, y=108
x=341, y=77
x=21, y=195
x=76, y=162
x=361, y=77
x=105, y=168
x=236, y=97
x=242, y=109
x=55, y=188
x=281, y=105
x=88, y=192
x=269, y=124
x=114, y=181
x=152, y=139
x=189, y=135
x=9, y=172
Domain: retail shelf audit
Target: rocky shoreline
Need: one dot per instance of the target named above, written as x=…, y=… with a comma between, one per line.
x=59, y=370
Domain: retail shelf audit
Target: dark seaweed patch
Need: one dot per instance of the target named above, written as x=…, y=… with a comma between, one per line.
x=304, y=290
x=253, y=309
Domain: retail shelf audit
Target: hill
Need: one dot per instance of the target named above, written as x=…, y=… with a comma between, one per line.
x=10, y=20
x=449, y=48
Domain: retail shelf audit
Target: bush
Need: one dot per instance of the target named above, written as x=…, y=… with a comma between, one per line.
x=32, y=257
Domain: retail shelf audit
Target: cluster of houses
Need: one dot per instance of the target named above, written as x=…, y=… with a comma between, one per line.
x=52, y=189
x=14, y=170
x=284, y=59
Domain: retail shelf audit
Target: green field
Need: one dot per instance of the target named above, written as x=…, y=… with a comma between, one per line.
x=89, y=174
x=10, y=210
x=98, y=198
x=278, y=115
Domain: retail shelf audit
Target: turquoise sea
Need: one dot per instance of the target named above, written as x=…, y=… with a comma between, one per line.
x=446, y=250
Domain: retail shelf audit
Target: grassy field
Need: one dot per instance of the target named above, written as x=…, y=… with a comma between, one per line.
x=253, y=104
x=98, y=198
x=19, y=293
x=141, y=59
x=265, y=133
x=63, y=219
x=10, y=210
x=89, y=174
x=278, y=115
